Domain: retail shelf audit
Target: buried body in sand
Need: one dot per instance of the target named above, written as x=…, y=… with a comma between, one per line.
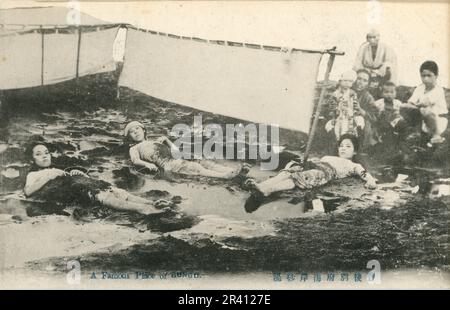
x=79, y=185
x=327, y=169
x=155, y=155
x=219, y=212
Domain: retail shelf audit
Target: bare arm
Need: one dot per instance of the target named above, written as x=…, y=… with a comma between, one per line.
x=365, y=176
x=169, y=143
x=136, y=159
x=408, y=105
x=36, y=180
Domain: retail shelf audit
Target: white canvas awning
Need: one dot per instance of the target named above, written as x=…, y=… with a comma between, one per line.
x=254, y=83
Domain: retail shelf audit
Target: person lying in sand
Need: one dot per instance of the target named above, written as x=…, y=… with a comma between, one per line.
x=156, y=155
x=324, y=170
x=52, y=184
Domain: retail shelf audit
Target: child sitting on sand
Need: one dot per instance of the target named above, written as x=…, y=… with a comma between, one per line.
x=429, y=98
x=389, y=121
x=344, y=108
x=156, y=155
x=324, y=170
x=52, y=184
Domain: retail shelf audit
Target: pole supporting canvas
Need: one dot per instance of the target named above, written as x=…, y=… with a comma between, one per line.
x=332, y=53
x=77, y=72
x=42, y=57
x=232, y=43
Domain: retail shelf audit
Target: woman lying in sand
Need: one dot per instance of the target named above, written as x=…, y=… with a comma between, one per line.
x=324, y=170
x=156, y=155
x=51, y=184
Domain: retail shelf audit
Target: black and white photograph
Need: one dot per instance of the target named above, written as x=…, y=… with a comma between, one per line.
x=187, y=145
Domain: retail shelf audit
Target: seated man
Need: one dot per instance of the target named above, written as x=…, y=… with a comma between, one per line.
x=376, y=57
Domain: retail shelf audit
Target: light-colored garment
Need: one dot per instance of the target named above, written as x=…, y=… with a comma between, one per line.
x=385, y=57
x=394, y=114
x=326, y=169
x=381, y=105
x=238, y=82
x=343, y=105
x=159, y=154
x=435, y=102
x=152, y=152
x=344, y=167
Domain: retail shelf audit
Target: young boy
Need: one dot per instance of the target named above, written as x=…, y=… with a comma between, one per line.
x=374, y=87
x=429, y=98
x=345, y=112
x=326, y=169
x=389, y=121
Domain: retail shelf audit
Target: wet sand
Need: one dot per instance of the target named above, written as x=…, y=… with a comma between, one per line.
x=210, y=231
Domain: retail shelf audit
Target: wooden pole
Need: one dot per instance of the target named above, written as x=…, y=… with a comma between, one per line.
x=319, y=106
x=42, y=56
x=77, y=72
x=121, y=64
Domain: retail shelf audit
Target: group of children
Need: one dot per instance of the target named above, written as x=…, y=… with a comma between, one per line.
x=355, y=117
x=346, y=116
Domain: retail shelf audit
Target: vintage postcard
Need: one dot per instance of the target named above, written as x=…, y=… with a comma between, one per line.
x=224, y=144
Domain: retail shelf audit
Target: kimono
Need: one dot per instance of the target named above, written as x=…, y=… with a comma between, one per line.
x=366, y=102
x=344, y=113
x=385, y=57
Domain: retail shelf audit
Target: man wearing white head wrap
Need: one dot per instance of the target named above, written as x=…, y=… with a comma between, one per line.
x=377, y=57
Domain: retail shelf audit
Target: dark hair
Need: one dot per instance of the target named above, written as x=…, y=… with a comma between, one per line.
x=363, y=71
x=375, y=78
x=32, y=143
x=130, y=142
x=29, y=154
x=389, y=84
x=430, y=66
x=352, y=138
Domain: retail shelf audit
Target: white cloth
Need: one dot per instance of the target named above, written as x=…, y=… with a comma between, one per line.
x=96, y=53
x=60, y=57
x=396, y=104
x=385, y=57
x=379, y=104
x=343, y=167
x=20, y=61
x=21, y=57
x=434, y=99
x=435, y=102
x=257, y=85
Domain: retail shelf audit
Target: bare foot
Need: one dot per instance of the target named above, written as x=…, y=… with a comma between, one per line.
x=437, y=139
x=162, y=203
x=151, y=210
x=245, y=169
x=256, y=198
x=253, y=187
